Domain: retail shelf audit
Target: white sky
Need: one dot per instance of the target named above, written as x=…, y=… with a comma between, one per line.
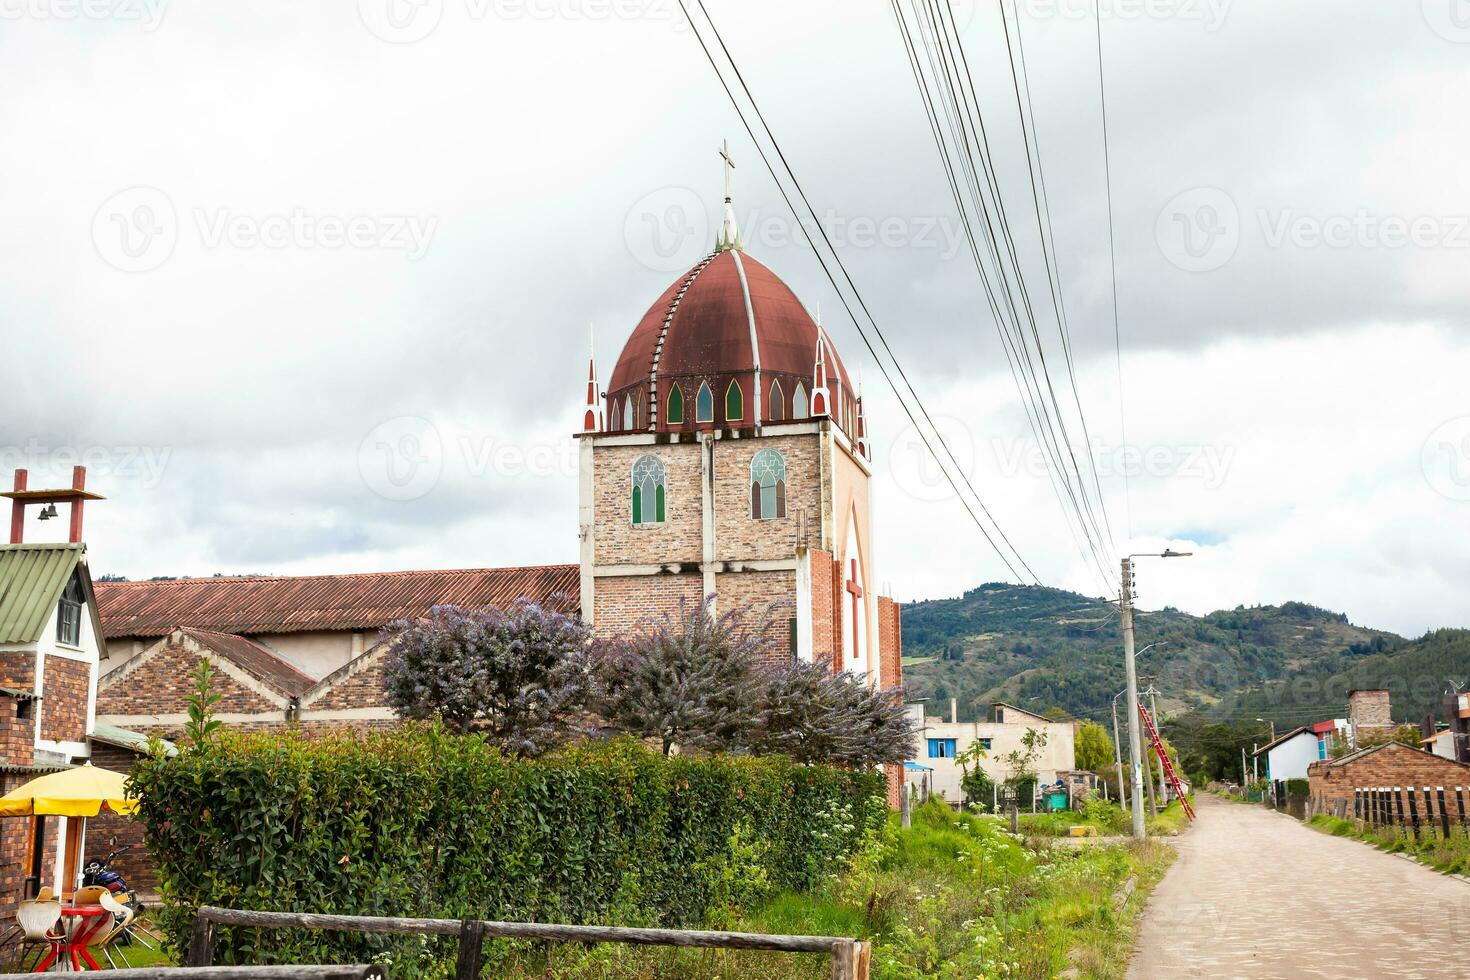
x=258, y=259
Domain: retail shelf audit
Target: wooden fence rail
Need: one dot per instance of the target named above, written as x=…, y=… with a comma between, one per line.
x=850, y=957
x=1388, y=806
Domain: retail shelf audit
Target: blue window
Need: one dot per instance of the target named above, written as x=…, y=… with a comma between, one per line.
x=1322, y=748
x=984, y=743
x=941, y=748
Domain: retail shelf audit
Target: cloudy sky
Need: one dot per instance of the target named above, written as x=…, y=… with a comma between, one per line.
x=309, y=287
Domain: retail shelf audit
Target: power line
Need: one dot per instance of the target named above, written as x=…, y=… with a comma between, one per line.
x=842, y=296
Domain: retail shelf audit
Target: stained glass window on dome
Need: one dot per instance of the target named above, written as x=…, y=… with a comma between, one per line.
x=648, y=490
x=776, y=410
x=675, y=412
x=628, y=413
x=768, y=485
x=734, y=403
x=799, y=408
x=704, y=403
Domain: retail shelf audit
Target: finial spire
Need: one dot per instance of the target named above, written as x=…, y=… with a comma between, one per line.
x=729, y=235
x=592, y=419
x=821, y=395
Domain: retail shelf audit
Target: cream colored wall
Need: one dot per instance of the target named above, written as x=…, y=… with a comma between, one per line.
x=1058, y=754
x=314, y=653
x=851, y=504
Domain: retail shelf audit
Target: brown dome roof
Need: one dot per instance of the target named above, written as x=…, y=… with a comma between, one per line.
x=718, y=324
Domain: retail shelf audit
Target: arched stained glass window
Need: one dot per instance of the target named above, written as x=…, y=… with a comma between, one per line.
x=628, y=413
x=776, y=410
x=799, y=407
x=674, y=412
x=704, y=403
x=734, y=402
x=767, y=485
x=648, y=490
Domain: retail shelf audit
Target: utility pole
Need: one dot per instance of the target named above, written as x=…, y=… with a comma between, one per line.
x=1118, y=755
x=1130, y=671
x=1153, y=709
x=1243, y=771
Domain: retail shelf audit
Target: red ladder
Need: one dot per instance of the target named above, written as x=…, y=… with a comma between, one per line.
x=1153, y=737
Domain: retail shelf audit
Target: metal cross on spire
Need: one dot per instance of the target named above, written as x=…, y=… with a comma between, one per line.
x=729, y=166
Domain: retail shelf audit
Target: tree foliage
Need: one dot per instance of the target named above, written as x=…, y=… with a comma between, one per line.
x=520, y=676
x=808, y=713
x=1093, y=747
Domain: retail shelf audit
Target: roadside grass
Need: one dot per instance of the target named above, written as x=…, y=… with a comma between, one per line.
x=954, y=896
x=1448, y=854
x=1105, y=818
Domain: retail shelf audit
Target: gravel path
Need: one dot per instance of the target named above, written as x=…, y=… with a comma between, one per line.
x=1256, y=894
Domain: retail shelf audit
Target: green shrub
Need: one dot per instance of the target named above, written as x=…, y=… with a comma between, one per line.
x=420, y=822
x=1298, y=787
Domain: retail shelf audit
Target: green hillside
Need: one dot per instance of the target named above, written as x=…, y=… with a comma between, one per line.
x=1042, y=647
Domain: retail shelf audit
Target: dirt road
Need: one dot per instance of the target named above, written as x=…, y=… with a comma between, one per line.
x=1256, y=894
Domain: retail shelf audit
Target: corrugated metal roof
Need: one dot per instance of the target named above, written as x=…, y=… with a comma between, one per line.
x=293, y=604
x=32, y=577
x=256, y=659
x=123, y=738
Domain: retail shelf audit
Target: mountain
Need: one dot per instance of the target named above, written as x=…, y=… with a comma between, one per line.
x=1040, y=648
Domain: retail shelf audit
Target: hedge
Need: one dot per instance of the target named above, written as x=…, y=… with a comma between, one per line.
x=420, y=822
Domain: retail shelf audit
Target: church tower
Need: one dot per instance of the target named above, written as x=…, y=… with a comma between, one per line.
x=728, y=457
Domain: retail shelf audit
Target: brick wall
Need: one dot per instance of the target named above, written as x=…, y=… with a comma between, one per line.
x=739, y=537
x=135, y=864
x=17, y=734
x=890, y=642
x=626, y=602
x=18, y=670
x=15, y=849
x=361, y=689
x=679, y=539
x=770, y=598
x=66, y=685
x=1392, y=765
x=159, y=685
x=824, y=626
x=1369, y=709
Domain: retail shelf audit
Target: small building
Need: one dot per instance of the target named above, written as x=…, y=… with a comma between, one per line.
x=941, y=741
x=1289, y=755
x=1441, y=743
x=1391, y=764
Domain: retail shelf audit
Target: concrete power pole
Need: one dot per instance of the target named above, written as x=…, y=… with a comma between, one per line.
x=1153, y=709
x=1135, y=753
x=1118, y=757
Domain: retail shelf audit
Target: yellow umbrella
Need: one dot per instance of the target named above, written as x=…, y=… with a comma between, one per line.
x=78, y=792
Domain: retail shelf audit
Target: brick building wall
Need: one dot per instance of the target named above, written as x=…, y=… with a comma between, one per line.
x=1391, y=765
x=624, y=603
x=159, y=682
x=363, y=688
x=134, y=864
x=890, y=642
x=824, y=595
x=770, y=598
x=17, y=731
x=18, y=670
x=66, y=685
x=619, y=541
x=1369, y=709
x=738, y=536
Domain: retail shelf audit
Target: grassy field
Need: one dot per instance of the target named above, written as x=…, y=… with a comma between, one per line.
x=954, y=896
x=1105, y=819
x=1449, y=854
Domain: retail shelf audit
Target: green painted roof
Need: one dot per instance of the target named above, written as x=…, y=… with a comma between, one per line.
x=137, y=741
x=32, y=577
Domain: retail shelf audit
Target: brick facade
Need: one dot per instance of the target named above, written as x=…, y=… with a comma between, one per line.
x=890, y=640
x=1369, y=709
x=628, y=602
x=66, y=686
x=135, y=865
x=158, y=681
x=1389, y=765
x=738, y=536
x=679, y=539
x=824, y=598
x=769, y=598
x=361, y=687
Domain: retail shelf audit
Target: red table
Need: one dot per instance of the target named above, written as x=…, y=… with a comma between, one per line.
x=91, y=920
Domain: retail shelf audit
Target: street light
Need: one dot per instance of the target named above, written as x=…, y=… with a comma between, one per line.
x=1135, y=738
x=1273, y=728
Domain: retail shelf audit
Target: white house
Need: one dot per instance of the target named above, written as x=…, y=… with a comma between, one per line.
x=940, y=741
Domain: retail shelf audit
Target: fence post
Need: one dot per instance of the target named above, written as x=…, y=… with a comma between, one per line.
x=471, y=949
x=905, y=808
x=1460, y=803
x=1398, y=802
x=201, y=942
x=850, y=960
x=1413, y=811
x=1444, y=814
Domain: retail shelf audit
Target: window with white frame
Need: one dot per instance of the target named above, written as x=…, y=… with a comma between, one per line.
x=768, y=485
